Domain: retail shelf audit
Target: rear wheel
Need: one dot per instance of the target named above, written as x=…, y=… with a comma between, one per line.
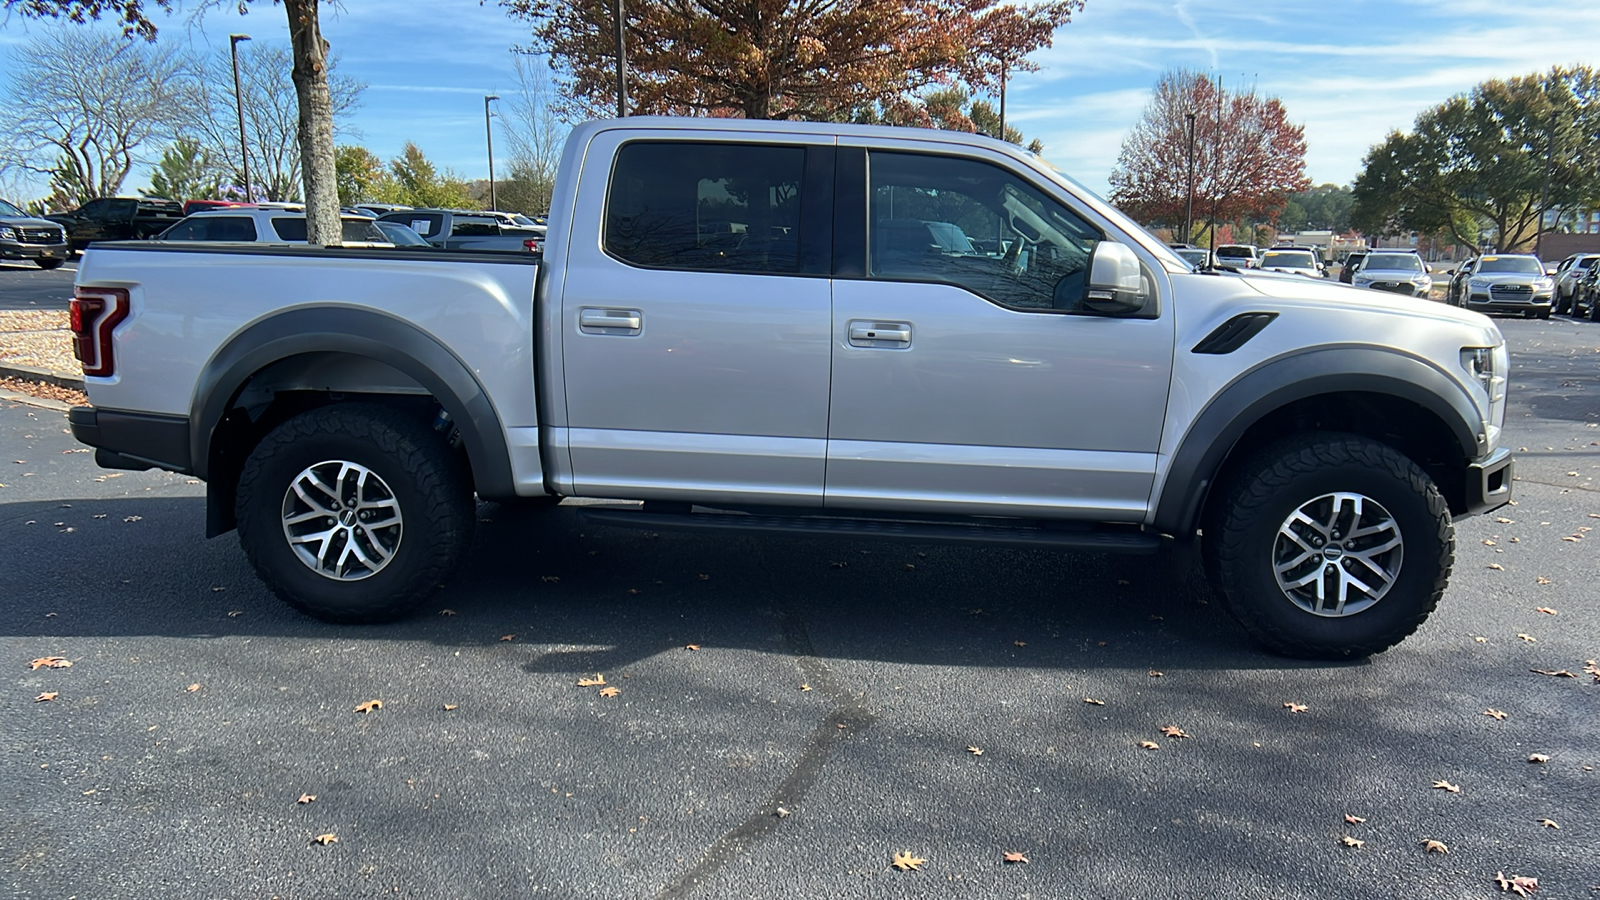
x=354, y=512
x=1329, y=546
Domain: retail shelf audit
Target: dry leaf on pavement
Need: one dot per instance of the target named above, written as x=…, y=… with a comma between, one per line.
x=47, y=696
x=1349, y=841
x=1434, y=847
x=1150, y=745
x=369, y=706
x=1014, y=857
x=1538, y=757
x=447, y=612
x=448, y=707
x=1549, y=823
x=1447, y=786
x=691, y=646
x=50, y=662
x=905, y=861
x=1553, y=673
x=975, y=751
x=1546, y=610
x=1495, y=566
x=508, y=637
x=1516, y=884
x=1528, y=637
x=1296, y=707
x=1353, y=820
x=307, y=798
x=1494, y=714
x=1093, y=702
x=596, y=681
x=325, y=839
x=1174, y=731
x=610, y=691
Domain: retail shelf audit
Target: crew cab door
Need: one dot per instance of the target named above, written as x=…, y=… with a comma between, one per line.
x=967, y=375
x=695, y=319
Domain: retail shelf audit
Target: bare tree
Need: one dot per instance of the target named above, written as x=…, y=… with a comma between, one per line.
x=536, y=133
x=85, y=108
x=271, y=115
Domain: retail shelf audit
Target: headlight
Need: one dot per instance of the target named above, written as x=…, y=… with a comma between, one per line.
x=1478, y=282
x=1424, y=280
x=1361, y=279
x=1542, y=284
x=7, y=233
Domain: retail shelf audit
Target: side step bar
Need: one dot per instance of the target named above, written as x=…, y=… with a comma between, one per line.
x=1099, y=540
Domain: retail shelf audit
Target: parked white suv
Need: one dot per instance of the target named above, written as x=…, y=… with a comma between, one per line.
x=1240, y=256
x=268, y=224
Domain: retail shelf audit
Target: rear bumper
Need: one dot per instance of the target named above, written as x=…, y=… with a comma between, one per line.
x=1489, y=482
x=129, y=440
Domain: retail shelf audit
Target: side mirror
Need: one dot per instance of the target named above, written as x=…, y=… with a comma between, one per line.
x=1115, y=282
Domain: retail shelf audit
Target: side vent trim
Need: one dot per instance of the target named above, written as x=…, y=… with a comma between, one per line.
x=1234, y=333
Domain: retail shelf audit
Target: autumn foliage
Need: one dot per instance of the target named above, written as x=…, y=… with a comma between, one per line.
x=1248, y=156
x=783, y=59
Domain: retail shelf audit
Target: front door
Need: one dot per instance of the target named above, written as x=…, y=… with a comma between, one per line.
x=966, y=377
x=695, y=323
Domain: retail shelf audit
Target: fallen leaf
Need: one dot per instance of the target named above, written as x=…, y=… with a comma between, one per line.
x=1093, y=702
x=1150, y=745
x=703, y=577
x=1174, y=731
x=1571, y=539
x=133, y=518
x=1549, y=823
x=634, y=591
x=1494, y=714
x=1349, y=841
x=51, y=662
x=904, y=861
x=1496, y=566
x=325, y=839
x=782, y=813
x=47, y=696
x=1019, y=643
x=449, y=707
x=1538, y=758
x=1014, y=857
x=508, y=637
x=1554, y=673
x=805, y=687
x=550, y=579
x=307, y=798
x=692, y=646
x=975, y=751
x=1542, y=580
x=1504, y=521
x=193, y=687
x=1353, y=820
x=1447, y=786
x=447, y=612
x=1481, y=640
x=839, y=565
x=1435, y=847
x=910, y=567
x=369, y=706
x=235, y=613
x=1155, y=674
x=597, y=680
x=1546, y=610
x=217, y=589
x=1528, y=637
x=1488, y=543
x=610, y=691
x=1296, y=707
x=1516, y=884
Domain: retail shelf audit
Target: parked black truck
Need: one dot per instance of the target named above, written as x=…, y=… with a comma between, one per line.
x=118, y=219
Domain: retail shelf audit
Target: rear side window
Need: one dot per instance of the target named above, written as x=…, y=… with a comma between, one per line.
x=361, y=231
x=424, y=224
x=706, y=206
x=212, y=228
x=289, y=228
x=476, y=226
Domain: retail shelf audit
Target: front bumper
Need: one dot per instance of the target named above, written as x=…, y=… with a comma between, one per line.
x=1484, y=301
x=17, y=250
x=1489, y=482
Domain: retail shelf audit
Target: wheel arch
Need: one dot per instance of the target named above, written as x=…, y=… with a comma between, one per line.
x=336, y=350
x=1397, y=399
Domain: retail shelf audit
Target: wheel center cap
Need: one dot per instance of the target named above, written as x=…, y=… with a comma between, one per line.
x=347, y=518
x=1332, y=553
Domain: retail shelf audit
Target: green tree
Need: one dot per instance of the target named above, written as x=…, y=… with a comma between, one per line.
x=185, y=172
x=950, y=109
x=361, y=176
x=1502, y=154
x=415, y=181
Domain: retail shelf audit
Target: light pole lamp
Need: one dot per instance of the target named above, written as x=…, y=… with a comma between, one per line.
x=238, y=104
x=488, y=135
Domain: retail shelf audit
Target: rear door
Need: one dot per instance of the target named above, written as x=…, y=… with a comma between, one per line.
x=967, y=376
x=695, y=319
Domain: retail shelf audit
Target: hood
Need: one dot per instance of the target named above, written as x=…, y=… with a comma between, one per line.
x=1394, y=274
x=28, y=222
x=1501, y=277
x=1328, y=293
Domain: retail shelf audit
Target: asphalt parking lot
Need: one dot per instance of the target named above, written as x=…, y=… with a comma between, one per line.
x=25, y=286
x=790, y=714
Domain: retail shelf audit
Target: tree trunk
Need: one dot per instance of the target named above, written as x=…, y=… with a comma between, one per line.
x=316, y=122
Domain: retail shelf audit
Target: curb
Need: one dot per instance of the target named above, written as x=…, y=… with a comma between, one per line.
x=43, y=376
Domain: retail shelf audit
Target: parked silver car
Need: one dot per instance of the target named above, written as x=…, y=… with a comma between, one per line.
x=1569, y=274
x=1398, y=271
x=29, y=237
x=1507, y=283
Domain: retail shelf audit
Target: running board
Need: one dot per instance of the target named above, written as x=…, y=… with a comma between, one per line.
x=1068, y=537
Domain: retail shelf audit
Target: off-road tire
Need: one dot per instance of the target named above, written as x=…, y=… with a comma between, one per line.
x=429, y=485
x=1241, y=529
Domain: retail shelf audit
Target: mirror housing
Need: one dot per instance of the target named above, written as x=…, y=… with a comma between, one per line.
x=1116, y=284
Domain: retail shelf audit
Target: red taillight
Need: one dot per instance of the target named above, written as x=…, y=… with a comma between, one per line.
x=531, y=245
x=94, y=313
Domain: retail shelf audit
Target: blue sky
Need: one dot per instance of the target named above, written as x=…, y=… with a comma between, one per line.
x=1349, y=72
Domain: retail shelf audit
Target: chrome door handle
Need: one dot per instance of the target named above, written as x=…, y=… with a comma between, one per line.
x=866, y=333
x=610, y=321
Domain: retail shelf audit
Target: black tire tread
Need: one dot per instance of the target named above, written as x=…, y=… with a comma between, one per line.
x=448, y=501
x=1268, y=472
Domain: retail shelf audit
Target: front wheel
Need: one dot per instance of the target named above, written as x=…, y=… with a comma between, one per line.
x=1329, y=546
x=48, y=264
x=354, y=512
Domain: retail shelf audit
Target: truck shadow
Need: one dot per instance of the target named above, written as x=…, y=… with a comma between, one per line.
x=578, y=598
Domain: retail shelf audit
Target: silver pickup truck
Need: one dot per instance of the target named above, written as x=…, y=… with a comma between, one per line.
x=808, y=328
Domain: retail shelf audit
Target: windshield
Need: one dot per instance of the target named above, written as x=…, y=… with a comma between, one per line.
x=1401, y=261
x=1193, y=257
x=1238, y=251
x=1293, y=259
x=1523, y=265
x=7, y=209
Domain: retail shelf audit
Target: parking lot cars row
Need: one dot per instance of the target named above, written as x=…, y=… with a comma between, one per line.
x=1503, y=283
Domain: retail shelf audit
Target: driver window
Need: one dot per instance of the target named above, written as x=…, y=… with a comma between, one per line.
x=975, y=225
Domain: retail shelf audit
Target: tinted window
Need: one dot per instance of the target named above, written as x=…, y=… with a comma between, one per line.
x=1403, y=261
x=7, y=209
x=361, y=231
x=707, y=207
x=212, y=228
x=1523, y=264
x=969, y=223
x=474, y=226
x=424, y=224
x=290, y=228
x=1294, y=259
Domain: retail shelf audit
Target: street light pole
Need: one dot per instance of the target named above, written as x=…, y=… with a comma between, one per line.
x=1188, y=210
x=238, y=104
x=622, y=64
x=488, y=135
